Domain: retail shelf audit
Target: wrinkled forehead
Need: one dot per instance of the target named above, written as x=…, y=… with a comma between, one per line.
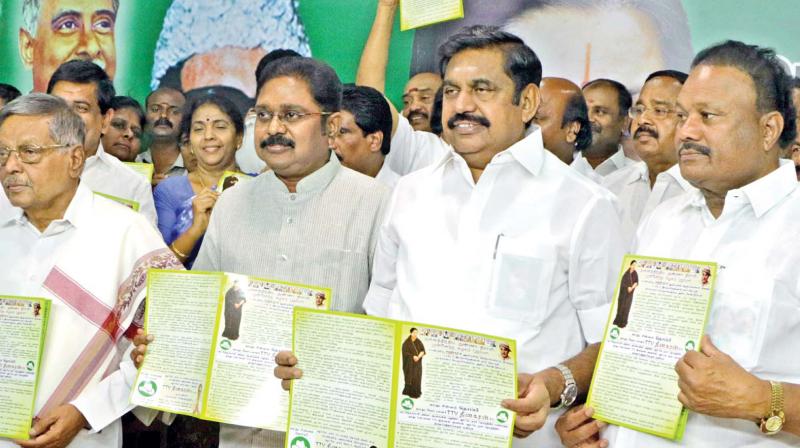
x=423, y=83
x=51, y=9
x=20, y=129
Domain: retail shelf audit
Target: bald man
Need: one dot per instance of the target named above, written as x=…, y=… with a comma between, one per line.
x=564, y=118
x=418, y=97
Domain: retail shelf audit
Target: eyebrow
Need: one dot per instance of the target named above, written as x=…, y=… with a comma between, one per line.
x=424, y=90
x=105, y=12
x=66, y=13
x=282, y=107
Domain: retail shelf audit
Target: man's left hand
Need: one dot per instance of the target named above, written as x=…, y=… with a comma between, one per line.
x=531, y=407
x=56, y=429
x=712, y=383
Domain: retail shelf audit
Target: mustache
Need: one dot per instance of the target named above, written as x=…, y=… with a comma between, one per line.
x=597, y=128
x=417, y=113
x=704, y=150
x=163, y=122
x=16, y=180
x=483, y=121
x=645, y=129
x=277, y=139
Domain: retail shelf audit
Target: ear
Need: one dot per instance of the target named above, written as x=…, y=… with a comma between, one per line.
x=529, y=101
x=626, y=126
x=332, y=127
x=572, y=131
x=375, y=141
x=77, y=156
x=771, y=125
x=26, y=47
x=239, y=138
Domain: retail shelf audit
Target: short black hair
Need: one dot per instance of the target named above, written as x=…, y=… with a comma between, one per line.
x=126, y=102
x=9, y=93
x=576, y=110
x=149, y=95
x=624, y=99
x=273, y=55
x=225, y=105
x=674, y=74
x=796, y=83
x=413, y=329
x=86, y=72
x=371, y=112
x=521, y=63
x=773, y=85
x=322, y=80
x=436, y=112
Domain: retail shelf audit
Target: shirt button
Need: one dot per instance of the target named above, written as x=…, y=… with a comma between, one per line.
x=289, y=220
x=284, y=258
x=292, y=197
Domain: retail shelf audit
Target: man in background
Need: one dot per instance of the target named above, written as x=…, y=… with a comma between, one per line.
x=564, y=119
x=164, y=111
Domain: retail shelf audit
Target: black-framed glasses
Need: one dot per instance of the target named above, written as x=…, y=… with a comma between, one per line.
x=285, y=117
x=27, y=153
x=658, y=112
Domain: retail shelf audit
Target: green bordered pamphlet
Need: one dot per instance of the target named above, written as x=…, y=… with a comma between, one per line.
x=23, y=326
x=419, y=13
x=378, y=382
x=230, y=179
x=216, y=336
x=659, y=313
x=143, y=169
x=133, y=205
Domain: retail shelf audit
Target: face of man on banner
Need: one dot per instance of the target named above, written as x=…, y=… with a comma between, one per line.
x=57, y=31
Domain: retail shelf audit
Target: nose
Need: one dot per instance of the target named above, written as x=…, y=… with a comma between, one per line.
x=689, y=129
x=208, y=132
x=13, y=164
x=275, y=126
x=88, y=46
x=464, y=102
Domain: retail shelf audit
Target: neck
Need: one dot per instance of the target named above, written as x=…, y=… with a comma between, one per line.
x=372, y=169
x=42, y=217
x=210, y=176
x=595, y=156
x=656, y=167
x=291, y=181
x=164, y=154
x=89, y=152
x=715, y=201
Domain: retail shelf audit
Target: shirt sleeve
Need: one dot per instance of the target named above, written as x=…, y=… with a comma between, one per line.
x=144, y=196
x=411, y=150
x=108, y=400
x=165, y=206
x=595, y=257
x=384, y=274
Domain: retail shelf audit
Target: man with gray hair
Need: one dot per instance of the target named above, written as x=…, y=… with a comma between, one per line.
x=89, y=256
x=53, y=33
x=202, y=45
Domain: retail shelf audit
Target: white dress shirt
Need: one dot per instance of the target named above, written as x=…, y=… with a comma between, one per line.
x=755, y=314
x=631, y=185
x=616, y=162
x=105, y=174
x=517, y=254
x=412, y=150
x=176, y=169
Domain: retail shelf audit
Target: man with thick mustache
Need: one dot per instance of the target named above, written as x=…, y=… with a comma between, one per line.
x=640, y=187
x=499, y=236
x=164, y=111
x=313, y=221
x=743, y=387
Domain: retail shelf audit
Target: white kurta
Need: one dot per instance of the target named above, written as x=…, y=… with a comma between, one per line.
x=530, y=252
x=105, y=174
x=92, y=264
x=755, y=315
x=616, y=162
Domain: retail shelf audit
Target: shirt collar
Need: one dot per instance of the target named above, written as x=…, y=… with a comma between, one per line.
x=147, y=157
x=316, y=181
x=74, y=215
x=529, y=152
x=675, y=172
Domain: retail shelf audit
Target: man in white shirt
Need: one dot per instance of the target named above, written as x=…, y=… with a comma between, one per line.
x=608, y=103
x=498, y=236
x=85, y=253
x=734, y=115
x=640, y=187
x=86, y=87
x=563, y=118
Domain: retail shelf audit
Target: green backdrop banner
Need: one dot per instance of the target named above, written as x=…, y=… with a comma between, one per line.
x=195, y=43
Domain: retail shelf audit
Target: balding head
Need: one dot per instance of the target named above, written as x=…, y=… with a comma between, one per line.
x=563, y=118
x=418, y=99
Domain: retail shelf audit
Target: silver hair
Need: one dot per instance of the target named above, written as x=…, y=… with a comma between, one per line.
x=66, y=127
x=199, y=26
x=30, y=14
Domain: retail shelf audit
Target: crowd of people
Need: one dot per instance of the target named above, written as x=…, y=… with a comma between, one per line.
x=495, y=201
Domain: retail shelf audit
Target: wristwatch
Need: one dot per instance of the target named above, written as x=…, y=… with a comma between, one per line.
x=570, y=392
x=773, y=422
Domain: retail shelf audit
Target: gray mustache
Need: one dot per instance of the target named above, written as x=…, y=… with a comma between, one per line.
x=9, y=181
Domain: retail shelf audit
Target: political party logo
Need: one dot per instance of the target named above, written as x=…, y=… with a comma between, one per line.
x=502, y=416
x=614, y=333
x=225, y=344
x=407, y=404
x=30, y=365
x=690, y=345
x=300, y=442
x=147, y=388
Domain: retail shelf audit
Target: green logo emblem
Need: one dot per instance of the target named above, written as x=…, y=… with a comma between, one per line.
x=690, y=345
x=147, y=388
x=225, y=344
x=300, y=442
x=407, y=404
x=614, y=333
x=30, y=365
x=502, y=416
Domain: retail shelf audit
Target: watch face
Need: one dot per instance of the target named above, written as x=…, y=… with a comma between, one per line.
x=774, y=423
x=569, y=394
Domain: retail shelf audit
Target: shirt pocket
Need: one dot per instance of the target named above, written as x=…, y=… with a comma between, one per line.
x=739, y=314
x=522, y=275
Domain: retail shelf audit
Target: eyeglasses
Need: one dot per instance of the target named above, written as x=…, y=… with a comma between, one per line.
x=658, y=112
x=287, y=117
x=29, y=154
x=122, y=126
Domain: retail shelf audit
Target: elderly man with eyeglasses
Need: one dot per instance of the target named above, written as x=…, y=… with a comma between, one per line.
x=641, y=186
x=89, y=256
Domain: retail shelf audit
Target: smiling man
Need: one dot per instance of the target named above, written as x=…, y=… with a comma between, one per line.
x=56, y=31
